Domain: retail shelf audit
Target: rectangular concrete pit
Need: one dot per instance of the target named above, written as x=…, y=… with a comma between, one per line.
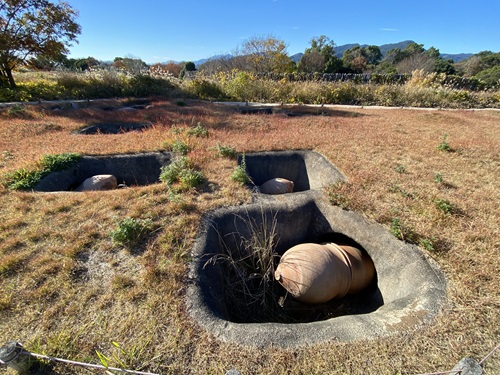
x=129, y=169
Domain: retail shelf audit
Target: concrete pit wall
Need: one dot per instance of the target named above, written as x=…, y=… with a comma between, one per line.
x=408, y=292
x=131, y=170
x=307, y=169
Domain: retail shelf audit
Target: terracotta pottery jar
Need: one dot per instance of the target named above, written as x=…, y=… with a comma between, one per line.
x=317, y=273
x=277, y=186
x=98, y=182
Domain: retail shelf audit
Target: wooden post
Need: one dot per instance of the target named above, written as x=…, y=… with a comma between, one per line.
x=14, y=356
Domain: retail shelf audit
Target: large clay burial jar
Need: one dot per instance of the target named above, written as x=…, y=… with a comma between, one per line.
x=317, y=273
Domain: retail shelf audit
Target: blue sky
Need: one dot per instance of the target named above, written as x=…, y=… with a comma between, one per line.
x=183, y=30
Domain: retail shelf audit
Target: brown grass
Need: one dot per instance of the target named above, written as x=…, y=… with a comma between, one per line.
x=67, y=291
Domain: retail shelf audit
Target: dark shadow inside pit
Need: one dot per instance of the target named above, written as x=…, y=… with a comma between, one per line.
x=114, y=128
x=256, y=111
x=306, y=169
x=407, y=293
x=129, y=169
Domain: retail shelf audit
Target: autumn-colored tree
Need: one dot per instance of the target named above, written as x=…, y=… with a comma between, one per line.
x=353, y=59
x=31, y=28
x=266, y=55
x=415, y=57
x=419, y=61
x=171, y=67
x=359, y=64
x=311, y=62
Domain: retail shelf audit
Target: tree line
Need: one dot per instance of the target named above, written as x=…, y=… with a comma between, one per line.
x=268, y=55
x=36, y=34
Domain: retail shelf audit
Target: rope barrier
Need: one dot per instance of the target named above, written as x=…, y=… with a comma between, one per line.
x=460, y=371
x=490, y=354
x=101, y=367
x=90, y=365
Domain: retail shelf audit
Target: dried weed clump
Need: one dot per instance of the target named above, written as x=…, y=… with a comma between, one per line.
x=249, y=265
x=69, y=291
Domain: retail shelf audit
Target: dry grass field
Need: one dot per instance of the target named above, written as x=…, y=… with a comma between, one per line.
x=69, y=291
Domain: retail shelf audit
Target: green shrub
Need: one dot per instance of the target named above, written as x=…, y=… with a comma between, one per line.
x=388, y=95
x=226, y=151
x=41, y=89
x=401, y=231
x=198, y=131
x=242, y=86
x=170, y=173
x=129, y=231
x=16, y=110
x=71, y=82
x=444, y=145
x=205, y=89
x=26, y=179
x=444, y=205
x=400, y=168
x=182, y=172
x=240, y=175
x=22, y=179
x=427, y=244
x=308, y=93
x=190, y=178
x=438, y=178
x=180, y=147
x=344, y=93
x=97, y=89
x=337, y=194
x=145, y=85
x=9, y=95
x=490, y=77
x=59, y=162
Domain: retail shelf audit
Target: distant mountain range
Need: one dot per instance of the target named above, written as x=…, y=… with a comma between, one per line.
x=457, y=57
x=339, y=50
x=199, y=62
